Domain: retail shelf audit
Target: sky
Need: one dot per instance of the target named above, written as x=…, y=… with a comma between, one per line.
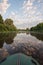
x=24, y=13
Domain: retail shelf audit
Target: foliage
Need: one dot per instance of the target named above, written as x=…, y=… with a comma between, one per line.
x=9, y=22
x=1, y=19
x=38, y=27
x=7, y=25
x=2, y=27
x=27, y=29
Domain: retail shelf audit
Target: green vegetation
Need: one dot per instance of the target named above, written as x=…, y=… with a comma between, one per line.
x=38, y=28
x=1, y=19
x=7, y=25
x=27, y=29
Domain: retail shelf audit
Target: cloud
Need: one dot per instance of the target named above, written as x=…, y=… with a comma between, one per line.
x=31, y=15
x=40, y=1
x=28, y=8
x=31, y=12
x=4, y=5
x=16, y=17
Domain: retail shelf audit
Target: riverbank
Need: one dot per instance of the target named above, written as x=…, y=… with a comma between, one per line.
x=37, y=32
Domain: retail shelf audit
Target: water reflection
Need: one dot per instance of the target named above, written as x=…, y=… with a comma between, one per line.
x=38, y=36
x=6, y=37
x=22, y=37
x=27, y=43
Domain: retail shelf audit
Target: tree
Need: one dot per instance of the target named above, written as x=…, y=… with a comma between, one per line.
x=9, y=25
x=9, y=21
x=38, y=27
x=1, y=19
x=27, y=29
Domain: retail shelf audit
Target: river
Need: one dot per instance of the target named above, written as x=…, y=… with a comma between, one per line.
x=30, y=44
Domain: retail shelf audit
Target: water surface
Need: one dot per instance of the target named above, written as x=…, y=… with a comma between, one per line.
x=30, y=44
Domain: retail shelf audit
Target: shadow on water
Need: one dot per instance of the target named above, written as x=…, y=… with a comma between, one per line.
x=6, y=37
x=38, y=36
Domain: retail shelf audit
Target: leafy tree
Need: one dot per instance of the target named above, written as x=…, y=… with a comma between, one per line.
x=38, y=27
x=9, y=25
x=9, y=21
x=2, y=28
x=27, y=29
x=1, y=19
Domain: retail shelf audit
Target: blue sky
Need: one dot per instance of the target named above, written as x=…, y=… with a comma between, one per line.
x=25, y=13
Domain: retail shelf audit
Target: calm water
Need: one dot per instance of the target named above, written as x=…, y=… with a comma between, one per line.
x=30, y=44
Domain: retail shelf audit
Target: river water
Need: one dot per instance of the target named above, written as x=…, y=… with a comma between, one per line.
x=27, y=43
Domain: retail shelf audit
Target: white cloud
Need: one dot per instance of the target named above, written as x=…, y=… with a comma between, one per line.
x=31, y=15
x=28, y=8
x=4, y=6
x=31, y=12
x=17, y=19
x=40, y=1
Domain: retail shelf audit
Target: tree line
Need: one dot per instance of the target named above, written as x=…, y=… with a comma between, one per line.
x=7, y=25
x=37, y=28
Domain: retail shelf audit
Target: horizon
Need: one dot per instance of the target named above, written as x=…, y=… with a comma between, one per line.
x=24, y=13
